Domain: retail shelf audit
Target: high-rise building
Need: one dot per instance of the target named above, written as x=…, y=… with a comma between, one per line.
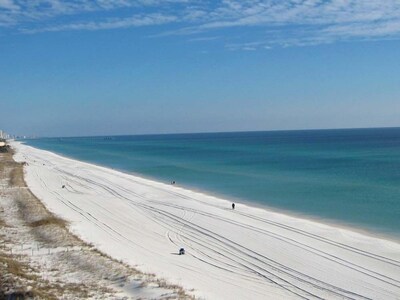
x=4, y=135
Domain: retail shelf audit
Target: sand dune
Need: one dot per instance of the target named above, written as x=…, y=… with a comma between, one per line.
x=246, y=253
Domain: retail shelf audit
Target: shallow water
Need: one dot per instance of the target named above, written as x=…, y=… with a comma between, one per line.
x=350, y=176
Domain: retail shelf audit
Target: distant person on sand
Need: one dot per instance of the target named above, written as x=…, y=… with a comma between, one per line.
x=173, y=182
x=233, y=205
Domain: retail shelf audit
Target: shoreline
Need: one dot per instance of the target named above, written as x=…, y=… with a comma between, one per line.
x=36, y=243
x=368, y=231
x=271, y=227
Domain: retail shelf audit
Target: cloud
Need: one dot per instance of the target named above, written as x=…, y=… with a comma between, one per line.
x=269, y=23
x=376, y=29
x=204, y=39
x=8, y=5
x=134, y=21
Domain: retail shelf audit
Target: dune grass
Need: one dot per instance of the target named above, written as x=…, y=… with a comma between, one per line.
x=48, y=221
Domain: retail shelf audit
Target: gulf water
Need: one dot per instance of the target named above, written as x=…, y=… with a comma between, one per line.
x=349, y=176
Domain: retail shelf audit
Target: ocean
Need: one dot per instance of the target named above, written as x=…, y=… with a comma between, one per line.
x=346, y=176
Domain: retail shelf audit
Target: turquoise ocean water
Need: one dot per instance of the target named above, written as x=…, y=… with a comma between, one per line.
x=350, y=176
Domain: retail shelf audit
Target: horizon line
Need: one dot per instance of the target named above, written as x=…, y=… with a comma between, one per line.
x=215, y=132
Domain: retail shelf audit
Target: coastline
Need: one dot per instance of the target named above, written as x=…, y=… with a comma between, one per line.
x=36, y=243
x=353, y=227
x=207, y=202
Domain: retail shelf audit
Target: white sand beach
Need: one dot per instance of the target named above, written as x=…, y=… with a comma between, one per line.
x=246, y=253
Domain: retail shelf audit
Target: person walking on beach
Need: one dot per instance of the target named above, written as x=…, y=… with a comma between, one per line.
x=233, y=205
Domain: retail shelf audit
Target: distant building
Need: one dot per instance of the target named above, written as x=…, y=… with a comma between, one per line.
x=4, y=135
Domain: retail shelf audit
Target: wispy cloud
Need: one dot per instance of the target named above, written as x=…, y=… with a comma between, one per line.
x=133, y=21
x=204, y=39
x=270, y=23
x=8, y=4
x=44, y=13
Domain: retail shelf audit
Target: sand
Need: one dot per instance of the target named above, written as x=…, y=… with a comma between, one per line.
x=246, y=253
x=41, y=259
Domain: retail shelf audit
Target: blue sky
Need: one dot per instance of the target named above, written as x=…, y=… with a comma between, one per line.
x=106, y=67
